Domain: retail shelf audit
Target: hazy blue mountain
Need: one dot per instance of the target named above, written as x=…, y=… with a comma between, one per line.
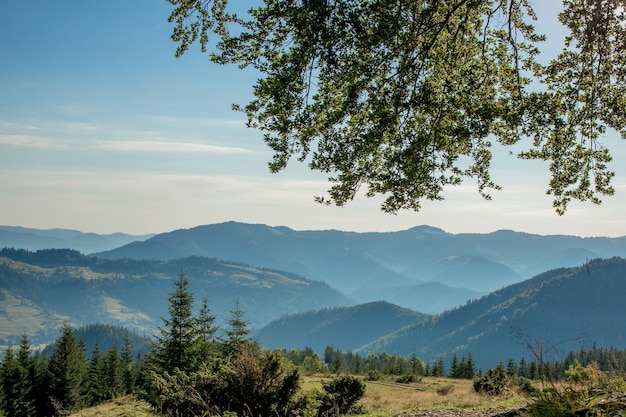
x=460, y=272
x=427, y=297
x=345, y=328
x=560, y=310
x=38, y=290
x=361, y=263
x=35, y=239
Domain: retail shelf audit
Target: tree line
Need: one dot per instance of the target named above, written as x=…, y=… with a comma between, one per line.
x=190, y=370
x=34, y=384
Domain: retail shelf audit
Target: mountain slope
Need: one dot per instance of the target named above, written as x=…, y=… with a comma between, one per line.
x=62, y=284
x=344, y=328
x=559, y=310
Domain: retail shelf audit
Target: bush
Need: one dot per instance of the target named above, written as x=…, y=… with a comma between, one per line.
x=492, y=382
x=340, y=396
x=252, y=381
x=408, y=378
x=373, y=375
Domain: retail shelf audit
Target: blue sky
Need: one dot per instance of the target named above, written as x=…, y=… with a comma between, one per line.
x=103, y=130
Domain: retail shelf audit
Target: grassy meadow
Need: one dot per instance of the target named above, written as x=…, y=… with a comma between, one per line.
x=382, y=398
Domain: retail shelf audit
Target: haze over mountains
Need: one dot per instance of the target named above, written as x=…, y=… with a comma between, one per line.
x=423, y=268
x=356, y=291
x=34, y=239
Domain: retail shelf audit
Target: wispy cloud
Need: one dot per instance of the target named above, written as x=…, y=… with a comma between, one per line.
x=30, y=141
x=157, y=146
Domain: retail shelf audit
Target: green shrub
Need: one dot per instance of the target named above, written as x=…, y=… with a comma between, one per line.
x=340, y=396
x=408, y=378
x=373, y=375
x=492, y=382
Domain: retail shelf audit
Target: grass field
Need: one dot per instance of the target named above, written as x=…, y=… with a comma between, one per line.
x=382, y=398
x=387, y=398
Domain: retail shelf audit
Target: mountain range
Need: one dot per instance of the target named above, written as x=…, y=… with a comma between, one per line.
x=420, y=291
x=34, y=239
x=423, y=268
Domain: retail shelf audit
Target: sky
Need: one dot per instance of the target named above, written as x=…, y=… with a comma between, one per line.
x=103, y=130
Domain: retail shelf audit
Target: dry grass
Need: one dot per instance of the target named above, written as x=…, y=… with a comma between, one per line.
x=387, y=398
x=382, y=398
x=120, y=407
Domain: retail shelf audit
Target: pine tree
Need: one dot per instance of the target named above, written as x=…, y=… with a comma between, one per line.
x=9, y=374
x=471, y=366
x=522, y=367
x=206, y=331
x=511, y=367
x=176, y=346
x=67, y=369
x=238, y=332
x=455, y=370
x=114, y=382
x=96, y=376
x=439, y=368
x=126, y=362
x=26, y=407
x=41, y=382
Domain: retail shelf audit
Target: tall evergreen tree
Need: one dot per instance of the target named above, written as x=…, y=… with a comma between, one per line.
x=96, y=376
x=9, y=374
x=24, y=401
x=206, y=331
x=114, y=382
x=67, y=369
x=238, y=331
x=126, y=362
x=455, y=369
x=41, y=382
x=469, y=366
x=176, y=345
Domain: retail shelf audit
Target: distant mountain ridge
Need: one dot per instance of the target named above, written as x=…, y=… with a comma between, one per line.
x=361, y=265
x=345, y=328
x=34, y=239
x=561, y=310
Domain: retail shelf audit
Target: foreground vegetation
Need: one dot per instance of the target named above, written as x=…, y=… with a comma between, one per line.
x=192, y=372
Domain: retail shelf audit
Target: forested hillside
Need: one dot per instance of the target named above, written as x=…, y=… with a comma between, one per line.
x=345, y=328
x=557, y=311
x=39, y=290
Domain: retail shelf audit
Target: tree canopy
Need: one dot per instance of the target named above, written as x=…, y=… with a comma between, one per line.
x=406, y=97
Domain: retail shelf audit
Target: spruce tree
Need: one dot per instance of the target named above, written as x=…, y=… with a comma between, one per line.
x=126, y=362
x=26, y=405
x=9, y=375
x=67, y=369
x=206, y=332
x=455, y=370
x=238, y=332
x=176, y=345
x=96, y=376
x=114, y=382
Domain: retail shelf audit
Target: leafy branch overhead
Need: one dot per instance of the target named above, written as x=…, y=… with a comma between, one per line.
x=406, y=97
